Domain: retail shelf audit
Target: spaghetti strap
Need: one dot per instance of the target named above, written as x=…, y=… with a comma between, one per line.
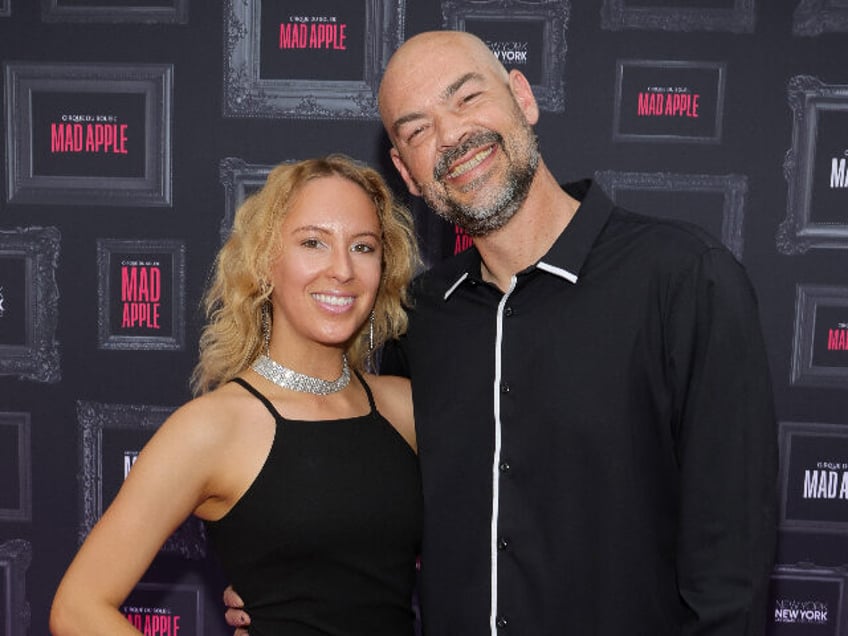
x=257, y=394
x=367, y=391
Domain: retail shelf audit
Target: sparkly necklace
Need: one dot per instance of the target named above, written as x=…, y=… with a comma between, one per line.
x=291, y=379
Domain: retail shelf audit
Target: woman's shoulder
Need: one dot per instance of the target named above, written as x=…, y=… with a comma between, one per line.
x=214, y=416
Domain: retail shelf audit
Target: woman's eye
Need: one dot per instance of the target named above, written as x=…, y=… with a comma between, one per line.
x=363, y=248
x=311, y=243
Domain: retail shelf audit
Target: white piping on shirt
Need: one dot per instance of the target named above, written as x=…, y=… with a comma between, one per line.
x=497, y=458
x=558, y=271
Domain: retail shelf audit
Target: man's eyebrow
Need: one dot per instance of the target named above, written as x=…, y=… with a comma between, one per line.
x=446, y=94
x=453, y=88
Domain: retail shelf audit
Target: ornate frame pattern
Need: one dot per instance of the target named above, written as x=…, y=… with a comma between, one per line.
x=189, y=540
x=814, y=17
x=719, y=67
x=616, y=15
x=53, y=11
x=550, y=94
x=39, y=359
x=797, y=234
x=24, y=511
x=107, y=340
x=236, y=175
x=247, y=95
x=154, y=81
x=734, y=187
x=807, y=300
x=15, y=557
x=787, y=430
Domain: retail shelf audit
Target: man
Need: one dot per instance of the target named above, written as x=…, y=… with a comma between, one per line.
x=593, y=408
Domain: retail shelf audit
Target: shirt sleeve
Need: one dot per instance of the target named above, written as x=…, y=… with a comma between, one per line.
x=726, y=445
x=393, y=358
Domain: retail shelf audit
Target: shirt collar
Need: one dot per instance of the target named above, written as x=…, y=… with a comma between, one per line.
x=568, y=253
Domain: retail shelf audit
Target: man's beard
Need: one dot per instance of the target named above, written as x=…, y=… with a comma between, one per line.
x=501, y=202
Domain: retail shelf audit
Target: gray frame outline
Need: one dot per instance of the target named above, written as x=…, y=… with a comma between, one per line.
x=15, y=557
x=235, y=174
x=109, y=341
x=180, y=587
x=616, y=15
x=550, y=94
x=796, y=234
x=786, y=429
x=154, y=81
x=5, y=8
x=22, y=421
x=247, y=95
x=811, y=572
x=38, y=359
x=51, y=11
x=733, y=186
x=814, y=17
x=721, y=67
x=92, y=419
x=807, y=300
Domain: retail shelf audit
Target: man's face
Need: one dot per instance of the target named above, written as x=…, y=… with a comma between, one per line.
x=462, y=138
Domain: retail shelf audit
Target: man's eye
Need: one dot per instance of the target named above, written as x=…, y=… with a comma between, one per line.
x=470, y=97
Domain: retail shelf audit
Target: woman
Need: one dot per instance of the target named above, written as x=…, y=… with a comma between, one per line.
x=304, y=472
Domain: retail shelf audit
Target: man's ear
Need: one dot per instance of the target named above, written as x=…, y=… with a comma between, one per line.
x=523, y=93
x=404, y=172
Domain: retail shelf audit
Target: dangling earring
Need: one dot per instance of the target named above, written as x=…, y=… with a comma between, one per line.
x=371, y=333
x=266, y=326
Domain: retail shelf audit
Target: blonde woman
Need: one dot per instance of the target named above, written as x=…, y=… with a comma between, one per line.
x=302, y=465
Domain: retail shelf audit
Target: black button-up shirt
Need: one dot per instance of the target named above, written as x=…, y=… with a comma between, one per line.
x=597, y=444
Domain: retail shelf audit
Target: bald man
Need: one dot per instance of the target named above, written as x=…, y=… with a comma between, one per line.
x=592, y=398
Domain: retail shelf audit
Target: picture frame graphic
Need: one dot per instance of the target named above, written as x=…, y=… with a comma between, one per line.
x=192, y=593
x=819, y=581
x=792, y=435
x=15, y=558
x=247, y=94
x=240, y=179
x=814, y=17
x=808, y=97
x=734, y=189
x=553, y=14
x=36, y=357
x=143, y=12
x=21, y=422
x=152, y=82
x=95, y=420
x=721, y=78
x=107, y=338
x=618, y=14
x=804, y=370
x=5, y=8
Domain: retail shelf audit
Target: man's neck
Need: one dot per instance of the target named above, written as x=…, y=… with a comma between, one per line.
x=529, y=234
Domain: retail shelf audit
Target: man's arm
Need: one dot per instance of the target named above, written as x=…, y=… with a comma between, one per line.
x=726, y=444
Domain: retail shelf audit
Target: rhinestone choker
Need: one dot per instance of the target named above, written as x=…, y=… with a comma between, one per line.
x=291, y=379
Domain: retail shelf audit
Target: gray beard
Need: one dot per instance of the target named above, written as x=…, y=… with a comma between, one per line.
x=482, y=219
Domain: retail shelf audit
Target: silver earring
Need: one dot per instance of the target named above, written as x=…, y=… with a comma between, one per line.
x=266, y=326
x=371, y=333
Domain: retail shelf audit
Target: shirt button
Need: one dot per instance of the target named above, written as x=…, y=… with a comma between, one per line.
x=503, y=543
x=504, y=387
x=501, y=622
x=504, y=467
x=508, y=311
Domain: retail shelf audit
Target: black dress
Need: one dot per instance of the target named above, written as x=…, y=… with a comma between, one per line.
x=324, y=542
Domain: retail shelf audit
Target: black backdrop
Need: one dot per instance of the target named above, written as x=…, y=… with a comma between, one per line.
x=80, y=390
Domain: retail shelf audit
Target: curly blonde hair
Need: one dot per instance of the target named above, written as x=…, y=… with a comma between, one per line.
x=240, y=284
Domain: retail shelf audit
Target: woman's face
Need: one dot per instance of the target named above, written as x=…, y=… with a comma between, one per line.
x=327, y=270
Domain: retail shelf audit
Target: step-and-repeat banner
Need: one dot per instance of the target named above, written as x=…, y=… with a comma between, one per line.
x=132, y=131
